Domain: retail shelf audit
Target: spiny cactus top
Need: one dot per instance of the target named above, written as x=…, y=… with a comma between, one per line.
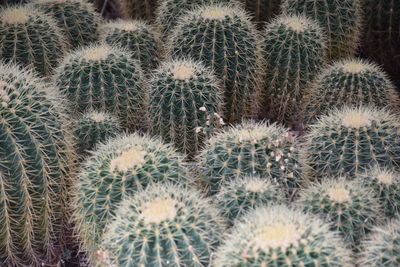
x=78, y=18
x=341, y=20
x=184, y=95
x=30, y=38
x=116, y=169
x=165, y=225
x=263, y=10
x=251, y=148
x=280, y=236
x=350, y=140
x=139, y=9
x=35, y=156
x=105, y=78
x=349, y=82
x=223, y=37
x=137, y=36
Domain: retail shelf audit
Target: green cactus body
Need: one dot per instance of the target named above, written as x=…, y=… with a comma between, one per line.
x=294, y=48
x=77, y=18
x=183, y=94
x=350, y=140
x=139, y=9
x=165, y=225
x=105, y=78
x=263, y=10
x=351, y=207
x=35, y=158
x=115, y=170
x=341, y=20
x=351, y=82
x=223, y=37
x=94, y=128
x=251, y=148
x=137, y=36
x=30, y=38
x=282, y=236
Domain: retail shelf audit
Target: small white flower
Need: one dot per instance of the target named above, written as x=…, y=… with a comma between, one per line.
x=202, y=109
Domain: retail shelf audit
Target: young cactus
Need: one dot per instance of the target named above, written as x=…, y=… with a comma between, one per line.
x=139, y=9
x=294, y=48
x=341, y=20
x=35, y=156
x=262, y=10
x=30, y=38
x=351, y=82
x=105, y=78
x=350, y=140
x=166, y=225
x=282, y=236
x=223, y=37
x=118, y=168
x=183, y=95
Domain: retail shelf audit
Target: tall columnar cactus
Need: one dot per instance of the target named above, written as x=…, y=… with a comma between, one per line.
x=341, y=20
x=35, y=156
x=350, y=206
x=223, y=37
x=349, y=82
x=105, y=78
x=115, y=170
x=77, y=18
x=352, y=139
x=139, y=9
x=282, y=236
x=30, y=38
x=295, y=50
x=251, y=148
x=137, y=36
x=183, y=96
x=165, y=225
x=262, y=10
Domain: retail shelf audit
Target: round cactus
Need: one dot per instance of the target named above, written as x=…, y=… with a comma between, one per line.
x=280, y=236
x=139, y=9
x=223, y=37
x=30, y=38
x=93, y=128
x=251, y=148
x=35, y=156
x=351, y=207
x=135, y=35
x=77, y=18
x=105, y=78
x=165, y=225
x=341, y=20
x=350, y=140
x=115, y=170
x=294, y=47
x=349, y=82
x=183, y=95
x=263, y=10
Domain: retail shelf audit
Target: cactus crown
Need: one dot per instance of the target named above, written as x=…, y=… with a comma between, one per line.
x=16, y=15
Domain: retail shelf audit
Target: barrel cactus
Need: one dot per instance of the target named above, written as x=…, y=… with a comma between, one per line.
x=105, y=78
x=30, y=38
x=165, y=225
x=35, y=156
x=341, y=20
x=223, y=37
x=139, y=9
x=263, y=10
x=282, y=236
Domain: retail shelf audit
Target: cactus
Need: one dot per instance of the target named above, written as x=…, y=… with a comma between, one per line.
x=263, y=10
x=282, y=236
x=223, y=37
x=341, y=20
x=30, y=38
x=35, y=156
x=251, y=148
x=105, y=78
x=350, y=206
x=236, y=197
x=350, y=140
x=183, y=93
x=139, y=9
x=115, y=170
x=93, y=128
x=137, y=36
x=295, y=50
x=77, y=18
x=166, y=225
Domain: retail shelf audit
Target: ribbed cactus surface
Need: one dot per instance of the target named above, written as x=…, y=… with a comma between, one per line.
x=262, y=10
x=139, y=9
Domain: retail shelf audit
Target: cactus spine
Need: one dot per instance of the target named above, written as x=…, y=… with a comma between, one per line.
x=139, y=9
